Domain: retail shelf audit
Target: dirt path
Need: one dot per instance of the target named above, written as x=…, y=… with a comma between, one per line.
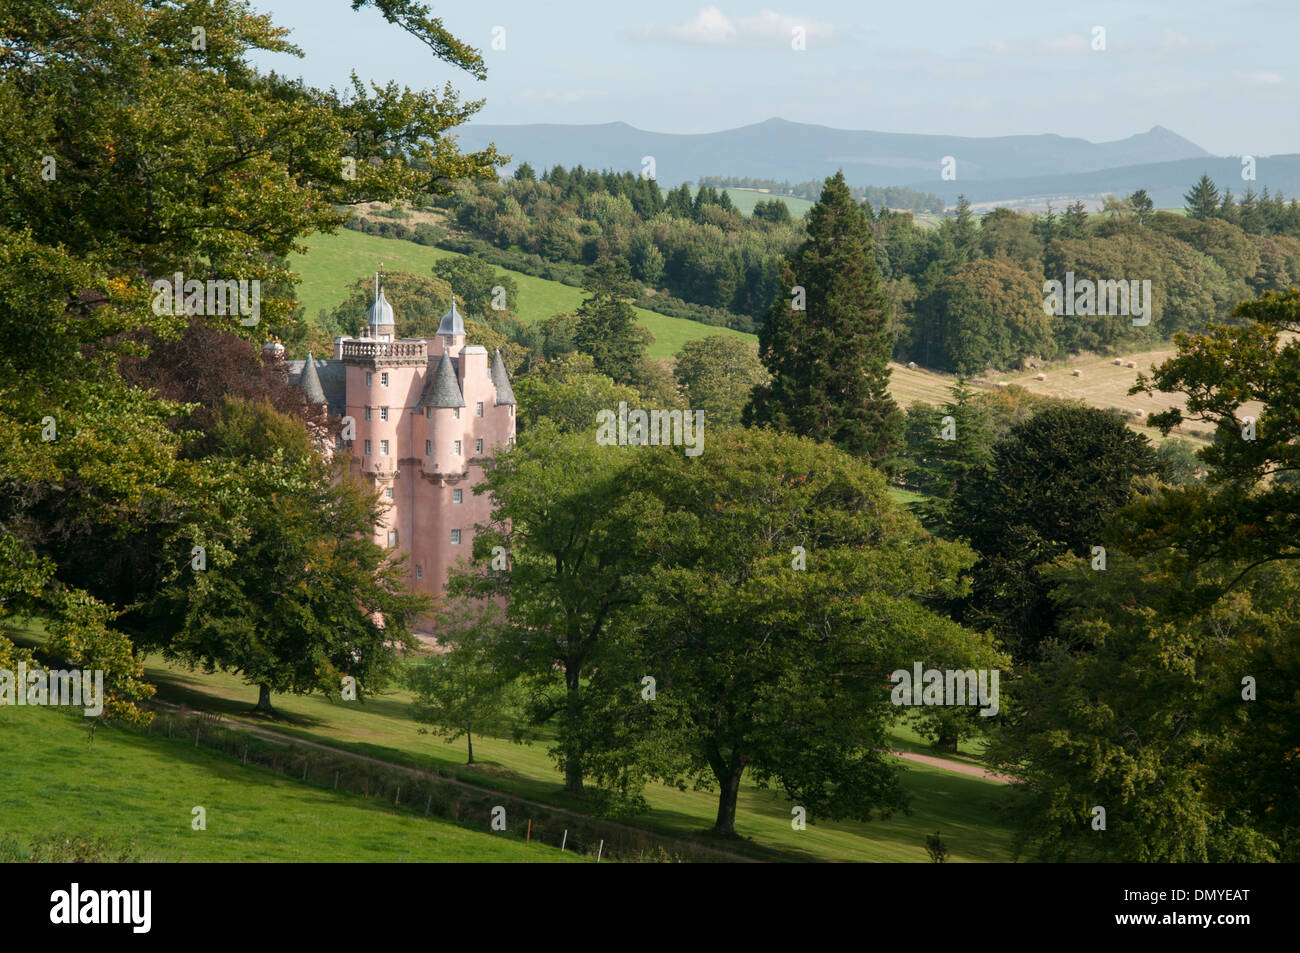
x=957, y=767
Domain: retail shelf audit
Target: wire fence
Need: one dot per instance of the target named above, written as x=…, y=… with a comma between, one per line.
x=428, y=794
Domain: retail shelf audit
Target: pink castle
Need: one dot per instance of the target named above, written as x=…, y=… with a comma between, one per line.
x=430, y=413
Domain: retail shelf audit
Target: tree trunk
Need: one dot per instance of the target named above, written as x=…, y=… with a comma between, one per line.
x=727, y=797
x=572, y=745
x=947, y=738
x=469, y=737
x=264, y=699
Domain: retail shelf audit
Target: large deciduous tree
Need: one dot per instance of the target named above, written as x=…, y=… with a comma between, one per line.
x=565, y=521
x=292, y=592
x=787, y=586
x=139, y=143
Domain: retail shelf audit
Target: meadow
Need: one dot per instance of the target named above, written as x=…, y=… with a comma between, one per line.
x=966, y=811
x=138, y=790
x=334, y=262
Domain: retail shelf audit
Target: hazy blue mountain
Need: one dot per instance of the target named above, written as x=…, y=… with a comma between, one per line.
x=1165, y=182
x=781, y=149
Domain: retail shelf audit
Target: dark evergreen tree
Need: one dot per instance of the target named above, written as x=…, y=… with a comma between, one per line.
x=607, y=328
x=1202, y=199
x=830, y=359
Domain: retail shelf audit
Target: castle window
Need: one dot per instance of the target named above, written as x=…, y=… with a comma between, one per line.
x=428, y=448
x=367, y=448
x=428, y=411
x=383, y=413
x=478, y=446
x=419, y=572
x=455, y=413
x=512, y=409
x=455, y=448
x=392, y=538
x=388, y=492
x=478, y=409
x=383, y=379
x=383, y=448
x=367, y=413
x=458, y=496
x=368, y=377
x=455, y=537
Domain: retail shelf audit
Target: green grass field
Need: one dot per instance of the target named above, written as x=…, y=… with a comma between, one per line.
x=136, y=789
x=334, y=262
x=963, y=809
x=746, y=199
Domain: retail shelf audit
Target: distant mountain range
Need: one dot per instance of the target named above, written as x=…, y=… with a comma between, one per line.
x=994, y=169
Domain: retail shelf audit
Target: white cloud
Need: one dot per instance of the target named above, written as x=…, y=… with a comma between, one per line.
x=1266, y=79
x=1074, y=43
x=711, y=27
x=998, y=46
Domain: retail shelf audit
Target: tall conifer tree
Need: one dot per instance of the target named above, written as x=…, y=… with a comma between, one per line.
x=829, y=360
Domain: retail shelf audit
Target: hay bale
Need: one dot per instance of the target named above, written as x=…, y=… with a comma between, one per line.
x=1040, y=377
x=1077, y=373
x=1002, y=383
x=1118, y=361
x=1131, y=364
x=911, y=365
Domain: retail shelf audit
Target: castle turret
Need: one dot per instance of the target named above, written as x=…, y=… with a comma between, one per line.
x=310, y=382
x=442, y=403
x=451, y=330
x=501, y=380
x=382, y=326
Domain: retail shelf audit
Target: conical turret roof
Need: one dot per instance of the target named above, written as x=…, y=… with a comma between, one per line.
x=501, y=380
x=443, y=390
x=310, y=382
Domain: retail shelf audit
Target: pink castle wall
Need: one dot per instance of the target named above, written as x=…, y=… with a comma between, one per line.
x=422, y=508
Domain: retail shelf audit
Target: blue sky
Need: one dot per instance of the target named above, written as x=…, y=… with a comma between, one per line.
x=1225, y=75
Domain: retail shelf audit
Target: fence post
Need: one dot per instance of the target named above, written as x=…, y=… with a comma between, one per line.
x=565, y=841
x=529, y=836
x=427, y=805
x=601, y=850
x=336, y=780
x=397, y=798
x=196, y=737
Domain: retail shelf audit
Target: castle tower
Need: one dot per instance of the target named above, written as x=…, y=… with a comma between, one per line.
x=429, y=415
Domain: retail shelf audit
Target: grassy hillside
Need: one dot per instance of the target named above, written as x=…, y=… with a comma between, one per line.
x=137, y=789
x=965, y=810
x=334, y=262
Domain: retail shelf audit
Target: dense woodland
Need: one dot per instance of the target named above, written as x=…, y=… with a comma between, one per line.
x=1141, y=605
x=965, y=296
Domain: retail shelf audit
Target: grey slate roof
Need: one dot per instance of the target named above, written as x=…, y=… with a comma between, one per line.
x=443, y=387
x=331, y=377
x=501, y=380
x=452, y=323
x=310, y=382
